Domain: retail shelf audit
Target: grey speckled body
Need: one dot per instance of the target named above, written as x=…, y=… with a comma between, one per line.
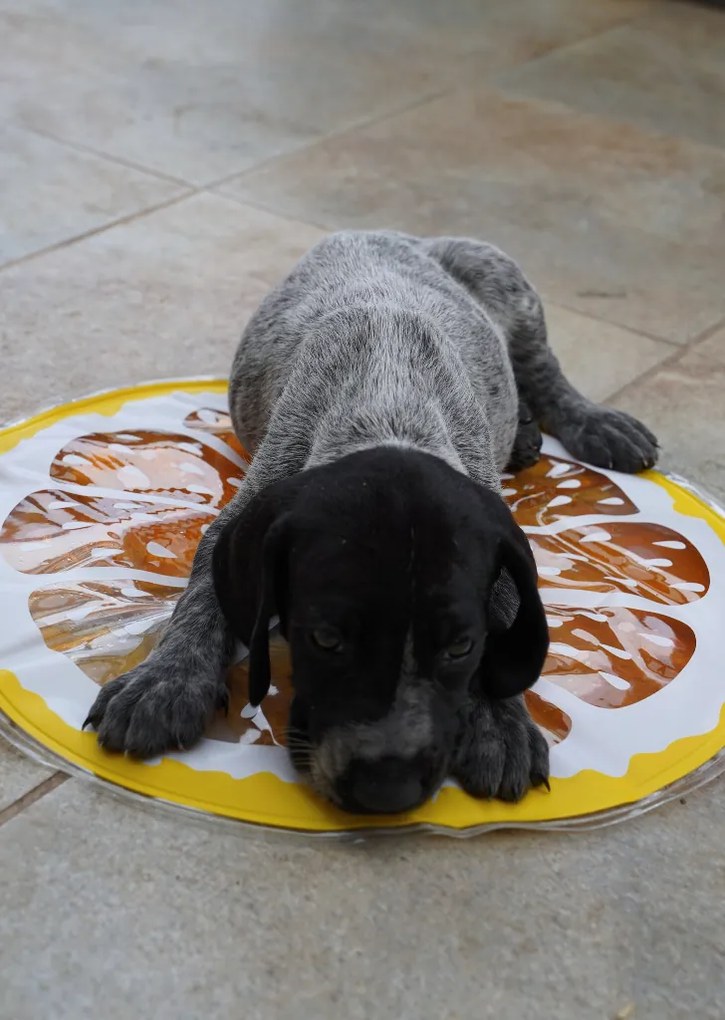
x=438, y=345
x=368, y=342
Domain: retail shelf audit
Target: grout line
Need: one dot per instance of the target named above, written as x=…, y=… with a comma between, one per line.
x=209, y=186
x=358, y=125
x=47, y=786
x=645, y=132
x=613, y=322
x=217, y=182
x=705, y=334
x=456, y=84
x=671, y=359
x=677, y=355
x=68, y=241
x=271, y=211
x=564, y=46
x=107, y=156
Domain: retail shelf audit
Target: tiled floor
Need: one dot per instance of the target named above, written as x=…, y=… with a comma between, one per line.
x=161, y=164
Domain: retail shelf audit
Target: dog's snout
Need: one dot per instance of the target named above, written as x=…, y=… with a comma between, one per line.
x=386, y=786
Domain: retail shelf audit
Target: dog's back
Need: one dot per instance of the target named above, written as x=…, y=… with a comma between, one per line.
x=381, y=313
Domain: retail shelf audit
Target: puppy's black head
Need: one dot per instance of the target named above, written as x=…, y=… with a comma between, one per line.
x=382, y=567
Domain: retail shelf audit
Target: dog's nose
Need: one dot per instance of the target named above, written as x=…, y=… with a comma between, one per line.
x=386, y=786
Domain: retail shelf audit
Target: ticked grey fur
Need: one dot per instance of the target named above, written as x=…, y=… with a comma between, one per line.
x=374, y=338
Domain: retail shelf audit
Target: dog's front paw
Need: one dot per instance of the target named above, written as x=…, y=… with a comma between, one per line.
x=156, y=707
x=609, y=439
x=501, y=751
x=527, y=446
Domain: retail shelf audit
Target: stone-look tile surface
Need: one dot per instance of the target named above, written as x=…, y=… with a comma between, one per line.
x=50, y=192
x=163, y=296
x=684, y=404
x=118, y=907
x=200, y=91
x=18, y=774
x=605, y=218
x=502, y=33
x=665, y=72
x=598, y=357
x=110, y=908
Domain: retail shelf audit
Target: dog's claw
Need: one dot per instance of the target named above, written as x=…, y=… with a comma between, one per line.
x=607, y=438
x=143, y=713
x=501, y=751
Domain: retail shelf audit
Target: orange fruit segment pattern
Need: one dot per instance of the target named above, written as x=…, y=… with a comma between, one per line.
x=140, y=500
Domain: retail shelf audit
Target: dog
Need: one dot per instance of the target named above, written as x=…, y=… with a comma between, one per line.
x=382, y=389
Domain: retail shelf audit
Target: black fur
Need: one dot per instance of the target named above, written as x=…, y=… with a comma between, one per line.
x=383, y=546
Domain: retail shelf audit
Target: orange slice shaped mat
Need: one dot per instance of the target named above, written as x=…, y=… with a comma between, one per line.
x=102, y=503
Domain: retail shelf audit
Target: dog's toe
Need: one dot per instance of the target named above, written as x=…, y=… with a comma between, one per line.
x=609, y=439
x=501, y=751
x=149, y=710
x=527, y=446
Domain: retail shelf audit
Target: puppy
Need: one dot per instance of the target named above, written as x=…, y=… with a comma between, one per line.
x=382, y=388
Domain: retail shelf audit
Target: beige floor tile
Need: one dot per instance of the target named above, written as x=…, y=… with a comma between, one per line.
x=200, y=91
x=162, y=296
x=606, y=219
x=50, y=192
x=111, y=909
x=684, y=405
x=665, y=72
x=129, y=912
x=597, y=357
x=506, y=34
x=18, y=774
x=194, y=122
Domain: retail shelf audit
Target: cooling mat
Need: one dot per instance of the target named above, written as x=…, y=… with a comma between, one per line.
x=103, y=501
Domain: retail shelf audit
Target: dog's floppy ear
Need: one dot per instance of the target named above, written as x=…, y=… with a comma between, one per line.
x=250, y=579
x=514, y=654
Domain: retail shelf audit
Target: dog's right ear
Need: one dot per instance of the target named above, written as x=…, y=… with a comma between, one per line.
x=250, y=578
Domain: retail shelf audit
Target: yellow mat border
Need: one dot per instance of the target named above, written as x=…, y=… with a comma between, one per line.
x=263, y=798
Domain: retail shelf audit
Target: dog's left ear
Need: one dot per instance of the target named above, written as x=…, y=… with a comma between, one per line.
x=514, y=655
x=250, y=580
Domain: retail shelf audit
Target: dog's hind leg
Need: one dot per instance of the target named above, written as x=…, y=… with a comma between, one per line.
x=599, y=435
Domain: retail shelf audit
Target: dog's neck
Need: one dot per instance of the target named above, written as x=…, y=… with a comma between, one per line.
x=416, y=425
x=399, y=392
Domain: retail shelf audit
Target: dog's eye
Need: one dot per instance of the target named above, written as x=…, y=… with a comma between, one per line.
x=459, y=649
x=326, y=638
